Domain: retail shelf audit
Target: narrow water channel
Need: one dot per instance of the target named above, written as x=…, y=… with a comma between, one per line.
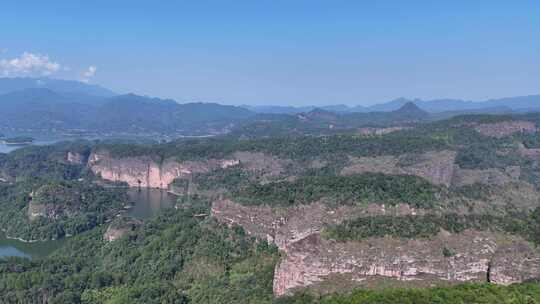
x=147, y=203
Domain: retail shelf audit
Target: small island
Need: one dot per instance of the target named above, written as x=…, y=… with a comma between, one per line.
x=19, y=140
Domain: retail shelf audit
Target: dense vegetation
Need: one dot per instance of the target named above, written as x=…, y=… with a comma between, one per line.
x=173, y=258
x=45, y=162
x=67, y=208
x=179, y=257
x=322, y=122
x=298, y=148
x=353, y=189
x=467, y=293
x=55, y=110
x=229, y=179
x=410, y=226
x=183, y=256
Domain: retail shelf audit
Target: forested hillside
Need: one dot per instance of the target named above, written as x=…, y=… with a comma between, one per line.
x=445, y=211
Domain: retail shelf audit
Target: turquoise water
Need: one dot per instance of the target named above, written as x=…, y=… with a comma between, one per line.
x=10, y=247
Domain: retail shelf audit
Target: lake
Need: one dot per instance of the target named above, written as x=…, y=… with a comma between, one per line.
x=147, y=203
x=10, y=247
x=8, y=148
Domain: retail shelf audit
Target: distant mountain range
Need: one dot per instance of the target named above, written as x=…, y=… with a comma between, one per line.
x=517, y=104
x=320, y=121
x=68, y=105
x=52, y=104
x=66, y=87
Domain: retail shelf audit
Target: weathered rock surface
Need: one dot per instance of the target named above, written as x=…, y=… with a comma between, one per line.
x=505, y=128
x=532, y=153
x=520, y=195
x=76, y=158
x=309, y=260
x=119, y=227
x=144, y=171
x=45, y=202
x=479, y=256
x=266, y=166
x=51, y=211
x=490, y=176
x=284, y=226
x=514, y=262
x=435, y=166
x=380, y=131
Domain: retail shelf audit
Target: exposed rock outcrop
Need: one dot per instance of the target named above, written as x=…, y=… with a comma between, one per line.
x=267, y=167
x=436, y=166
x=490, y=176
x=143, y=171
x=532, y=153
x=514, y=262
x=287, y=225
x=51, y=211
x=53, y=202
x=76, y=158
x=119, y=227
x=478, y=256
x=505, y=128
x=380, y=131
x=309, y=260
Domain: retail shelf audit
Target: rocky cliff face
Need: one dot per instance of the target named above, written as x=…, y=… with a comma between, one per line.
x=266, y=167
x=286, y=225
x=380, y=131
x=76, y=158
x=505, y=128
x=143, y=171
x=309, y=259
x=51, y=211
x=120, y=227
x=478, y=257
x=490, y=176
x=437, y=166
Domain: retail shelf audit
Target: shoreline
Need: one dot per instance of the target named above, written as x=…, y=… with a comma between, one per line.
x=21, y=239
x=119, y=212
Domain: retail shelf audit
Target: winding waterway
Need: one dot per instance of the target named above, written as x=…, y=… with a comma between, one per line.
x=4, y=148
x=147, y=203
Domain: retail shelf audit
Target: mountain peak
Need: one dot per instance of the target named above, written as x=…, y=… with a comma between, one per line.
x=61, y=86
x=410, y=107
x=411, y=111
x=319, y=113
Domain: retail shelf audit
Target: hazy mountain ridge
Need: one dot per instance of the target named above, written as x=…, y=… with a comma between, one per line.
x=51, y=104
x=8, y=85
x=320, y=121
x=518, y=103
x=42, y=108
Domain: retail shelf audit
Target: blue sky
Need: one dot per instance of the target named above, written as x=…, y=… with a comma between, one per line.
x=281, y=52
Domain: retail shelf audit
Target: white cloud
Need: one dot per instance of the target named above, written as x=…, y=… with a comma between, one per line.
x=29, y=64
x=89, y=73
